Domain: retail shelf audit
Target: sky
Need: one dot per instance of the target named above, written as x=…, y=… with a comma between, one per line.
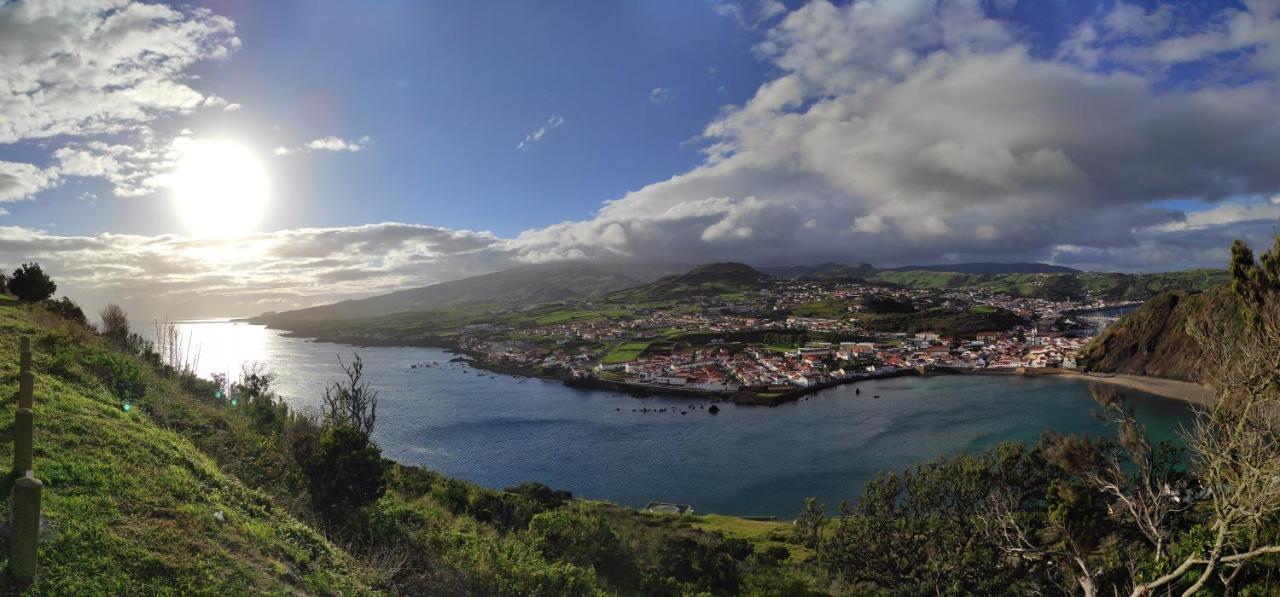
x=400, y=144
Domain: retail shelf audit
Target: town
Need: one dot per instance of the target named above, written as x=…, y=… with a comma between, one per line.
x=792, y=336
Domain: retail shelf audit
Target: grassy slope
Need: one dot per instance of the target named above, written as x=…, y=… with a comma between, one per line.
x=1091, y=285
x=131, y=505
x=1153, y=340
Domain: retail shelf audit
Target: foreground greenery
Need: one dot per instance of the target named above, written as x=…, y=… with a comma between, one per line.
x=158, y=482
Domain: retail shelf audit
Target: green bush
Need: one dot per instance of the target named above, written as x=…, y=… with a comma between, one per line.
x=66, y=309
x=120, y=374
x=580, y=538
x=30, y=284
x=345, y=473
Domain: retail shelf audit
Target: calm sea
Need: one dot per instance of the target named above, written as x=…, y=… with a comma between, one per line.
x=499, y=430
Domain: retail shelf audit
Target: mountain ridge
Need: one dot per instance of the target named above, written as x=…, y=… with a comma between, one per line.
x=537, y=283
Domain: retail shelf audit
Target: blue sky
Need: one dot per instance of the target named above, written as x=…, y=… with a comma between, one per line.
x=407, y=143
x=446, y=91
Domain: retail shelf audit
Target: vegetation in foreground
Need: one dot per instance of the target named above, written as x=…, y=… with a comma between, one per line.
x=159, y=482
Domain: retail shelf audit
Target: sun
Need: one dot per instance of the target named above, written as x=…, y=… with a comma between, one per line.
x=219, y=188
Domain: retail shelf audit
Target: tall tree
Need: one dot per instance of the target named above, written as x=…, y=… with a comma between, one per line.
x=30, y=284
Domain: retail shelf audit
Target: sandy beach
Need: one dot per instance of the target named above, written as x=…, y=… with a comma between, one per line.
x=1169, y=388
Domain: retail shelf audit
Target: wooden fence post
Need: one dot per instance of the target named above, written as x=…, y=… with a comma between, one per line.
x=23, y=436
x=24, y=531
x=24, y=499
x=26, y=386
x=25, y=353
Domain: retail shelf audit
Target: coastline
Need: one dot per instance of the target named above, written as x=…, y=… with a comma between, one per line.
x=1192, y=393
x=1185, y=391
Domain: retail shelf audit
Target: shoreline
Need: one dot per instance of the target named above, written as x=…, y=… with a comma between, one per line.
x=1185, y=391
x=1192, y=393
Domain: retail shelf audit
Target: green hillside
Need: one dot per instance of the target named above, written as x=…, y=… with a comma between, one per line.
x=131, y=505
x=1153, y=339
x=1077, y=286
x=519, y=286
x=716, y=280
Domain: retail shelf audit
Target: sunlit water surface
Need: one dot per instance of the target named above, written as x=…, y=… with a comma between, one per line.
x=499, y=430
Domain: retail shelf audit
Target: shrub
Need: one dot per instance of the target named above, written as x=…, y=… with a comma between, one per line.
x=120, y=374
x=701, y=567
x=67, y=309
x=353, y=404
x=115, y=324
x=808, y=528
x=264, y=409
x=546, y=497
x=345, y=473
x=30, y=284
x=580, y=538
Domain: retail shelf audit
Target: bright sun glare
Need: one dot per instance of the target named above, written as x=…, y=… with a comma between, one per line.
x=220, y=188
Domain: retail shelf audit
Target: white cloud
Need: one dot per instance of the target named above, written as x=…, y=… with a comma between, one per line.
x=135, y=169
x=909, y=130
x=661, y=95
x=326, y=144
x=101, y=66
x=893, y=132
x=552, y=123
x=245, y=276
x=1156, y=39
x=20, y=181
x=95, y=68
x=747, y=14
x=1226, y=213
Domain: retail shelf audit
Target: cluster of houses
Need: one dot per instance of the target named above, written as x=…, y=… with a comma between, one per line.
x=720, y=368
x=576, y=347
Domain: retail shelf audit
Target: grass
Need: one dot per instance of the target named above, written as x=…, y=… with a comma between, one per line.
x=625, y=352
x=131, y=506
x=763, y=533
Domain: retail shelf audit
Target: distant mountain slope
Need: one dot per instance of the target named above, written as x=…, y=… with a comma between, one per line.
x=822, y=270
x=866, y=270
x=1153, y=340
x=714, y=279
x=990, y=268
x=519, y=286
x=1076, y=286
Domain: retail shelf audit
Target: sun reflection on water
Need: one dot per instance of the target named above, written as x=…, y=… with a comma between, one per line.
x=223, y=347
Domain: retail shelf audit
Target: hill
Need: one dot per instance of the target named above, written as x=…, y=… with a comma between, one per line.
x=1153, y=339
x=133, y=506
x=1074, y=286
x=525, y=285
x=1037, y=280
x=722, y=280
x=990, y=268
x=823, y=270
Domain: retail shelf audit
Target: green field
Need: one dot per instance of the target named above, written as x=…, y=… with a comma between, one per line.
x=624, y=352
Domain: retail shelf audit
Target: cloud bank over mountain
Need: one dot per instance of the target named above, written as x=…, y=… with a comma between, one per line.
x=893, y=131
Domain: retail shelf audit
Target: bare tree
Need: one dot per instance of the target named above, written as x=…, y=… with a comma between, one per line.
x=353, y=403
x=1234, y=445
x=1142, y=482
x=1235, y=442
x=115, y=324
x=1018, y=537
